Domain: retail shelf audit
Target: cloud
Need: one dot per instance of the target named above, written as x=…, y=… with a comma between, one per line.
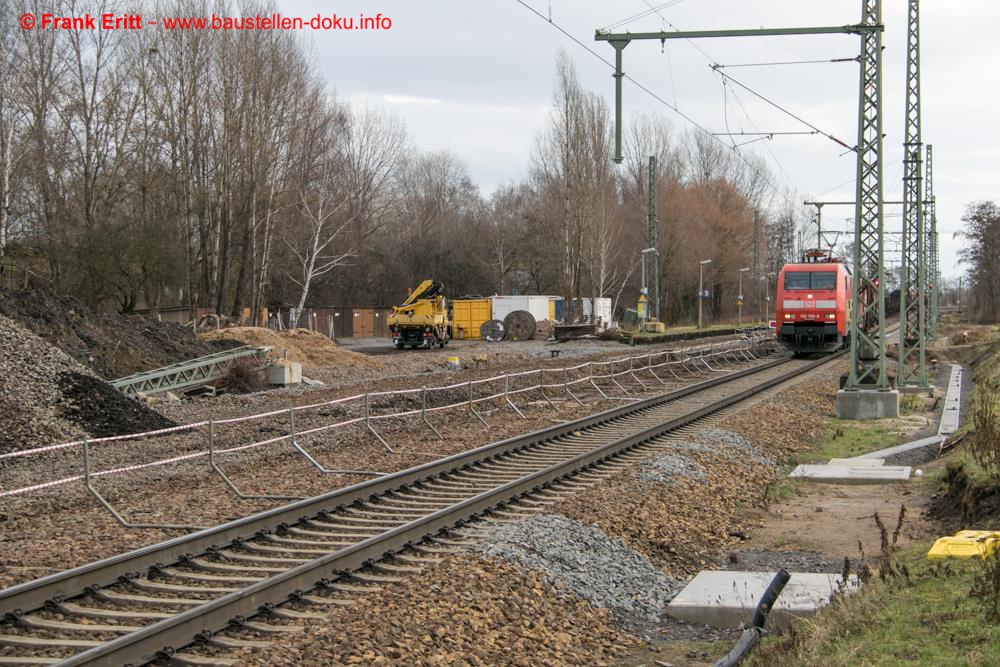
x=409, y=99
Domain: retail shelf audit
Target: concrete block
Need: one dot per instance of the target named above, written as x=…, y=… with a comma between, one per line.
x=850, y=474
x=725, y=599
x=867, y=404
x=284, y=374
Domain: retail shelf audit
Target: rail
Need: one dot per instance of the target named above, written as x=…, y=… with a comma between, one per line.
x=698, y=356
x=181, y=629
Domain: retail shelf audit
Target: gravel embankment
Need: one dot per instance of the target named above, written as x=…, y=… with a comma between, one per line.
x=463, y=611
x=46, y=397
x=586, y=561
x=685, y=507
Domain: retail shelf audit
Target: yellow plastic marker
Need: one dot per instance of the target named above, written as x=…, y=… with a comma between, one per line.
x=966, y=544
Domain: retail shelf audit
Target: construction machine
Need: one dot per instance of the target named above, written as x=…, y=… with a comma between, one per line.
x=423, y=320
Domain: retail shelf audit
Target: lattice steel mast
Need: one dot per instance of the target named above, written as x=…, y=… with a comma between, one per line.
x=868, y=323
x=933, y=265
x=652, y=259
x=913, y=287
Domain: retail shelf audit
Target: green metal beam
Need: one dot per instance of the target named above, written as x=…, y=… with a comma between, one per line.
x=868, y=359
x=749, y=32
x=619, y=40
x=912, y=293
x=933, y=250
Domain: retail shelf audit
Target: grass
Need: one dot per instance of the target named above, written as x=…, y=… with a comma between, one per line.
x=926, y=618
x=910, y=403
x=848, y=438
x=782, y=489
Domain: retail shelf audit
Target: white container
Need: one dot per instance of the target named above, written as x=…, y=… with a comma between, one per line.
x=538, y=306
x=600, y=305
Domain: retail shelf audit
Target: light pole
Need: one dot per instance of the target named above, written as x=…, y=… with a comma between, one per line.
x=701, y=286
x=739, y=299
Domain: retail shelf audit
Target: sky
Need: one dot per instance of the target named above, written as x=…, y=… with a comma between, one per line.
x=475, y=78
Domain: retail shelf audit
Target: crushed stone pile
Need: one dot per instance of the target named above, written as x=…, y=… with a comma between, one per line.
x=112, y=345
x=584, y=559
x=46, y=397
x=309, y=348
x=665, y=467
x=460, y=612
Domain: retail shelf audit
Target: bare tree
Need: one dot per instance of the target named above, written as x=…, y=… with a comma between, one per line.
x=318, y=254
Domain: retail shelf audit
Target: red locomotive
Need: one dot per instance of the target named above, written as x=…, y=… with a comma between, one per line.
x=813, y=306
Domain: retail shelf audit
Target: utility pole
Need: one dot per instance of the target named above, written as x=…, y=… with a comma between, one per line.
x=739, y=299
x=819, y=220
x=933, y=264
x=913, y=276
x=701, y=287
x=867, y=392
x=755, y=286
x=652, y=241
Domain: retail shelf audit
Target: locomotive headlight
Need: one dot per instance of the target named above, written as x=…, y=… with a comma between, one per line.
x=788, y=316
x=831, y=316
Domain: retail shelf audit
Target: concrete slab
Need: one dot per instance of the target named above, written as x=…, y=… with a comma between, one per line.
x=884, y=454
x=848, y=474
x=725, y=599
x=867, y=404
x=856, y=462
x=950, y=416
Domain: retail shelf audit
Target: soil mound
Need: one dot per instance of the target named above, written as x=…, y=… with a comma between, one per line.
x=112, y=345
x=309, y=348
x=46, y=397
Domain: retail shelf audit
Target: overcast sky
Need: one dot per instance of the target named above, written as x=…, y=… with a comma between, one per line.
x=476, y=78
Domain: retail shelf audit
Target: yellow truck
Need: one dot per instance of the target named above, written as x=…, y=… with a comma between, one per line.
x=423, y=320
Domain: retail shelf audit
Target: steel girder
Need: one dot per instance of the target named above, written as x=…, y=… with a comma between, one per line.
x=933, y=263
x=186, y=374
x=912, y=293
x=868, y=360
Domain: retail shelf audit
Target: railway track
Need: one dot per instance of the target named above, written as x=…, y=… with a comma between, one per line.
x=140, y=606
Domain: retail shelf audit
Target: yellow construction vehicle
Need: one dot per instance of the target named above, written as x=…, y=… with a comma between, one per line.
x=423, y=320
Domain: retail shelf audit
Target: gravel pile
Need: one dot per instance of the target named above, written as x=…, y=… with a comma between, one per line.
x=588, y=562
x=111, y=344
x=665, y=467
x=725, y=443
x=46, y=397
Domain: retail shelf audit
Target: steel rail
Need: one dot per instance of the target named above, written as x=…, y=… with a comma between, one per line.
x=161, y=638
x=34, y=594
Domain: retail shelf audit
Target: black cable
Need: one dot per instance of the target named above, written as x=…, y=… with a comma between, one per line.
x=783, y=109
x=643, y=88
x=643, y=14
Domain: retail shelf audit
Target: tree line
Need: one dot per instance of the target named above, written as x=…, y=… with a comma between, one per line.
x=156, y=168
x=982, y=257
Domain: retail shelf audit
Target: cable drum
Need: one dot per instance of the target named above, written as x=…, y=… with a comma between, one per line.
x=492, y=331
x=519, y=325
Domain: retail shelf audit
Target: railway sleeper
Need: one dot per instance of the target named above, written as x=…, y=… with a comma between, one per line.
x=74, y=609
x=35, y=623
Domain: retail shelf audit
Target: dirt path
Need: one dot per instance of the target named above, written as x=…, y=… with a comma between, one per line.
x=831, y=519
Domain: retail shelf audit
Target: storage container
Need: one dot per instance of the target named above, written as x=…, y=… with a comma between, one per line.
x=468, y=316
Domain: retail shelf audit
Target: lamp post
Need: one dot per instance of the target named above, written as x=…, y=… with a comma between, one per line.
x=701, y=286
x=739, y=299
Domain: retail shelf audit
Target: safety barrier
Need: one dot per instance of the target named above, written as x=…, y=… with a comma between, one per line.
x=661, y=367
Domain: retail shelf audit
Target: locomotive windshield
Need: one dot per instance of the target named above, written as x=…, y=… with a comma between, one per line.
x=810, y=280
